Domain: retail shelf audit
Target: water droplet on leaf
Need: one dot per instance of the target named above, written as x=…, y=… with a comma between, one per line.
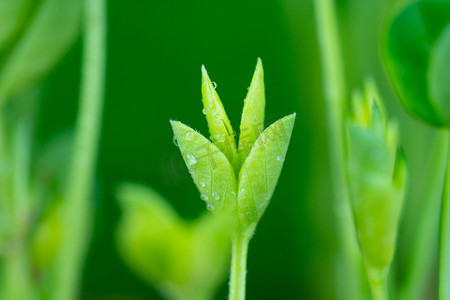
x=280, y=158
x=202, y=184
x=175, y=141
x=191, y=160
x=204, y=197
x=204, y=111
x=192, y=171
x=215, y=196
x=214, y=85
x=189, y=136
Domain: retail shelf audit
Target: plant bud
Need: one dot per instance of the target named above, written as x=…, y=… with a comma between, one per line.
x=377, y=175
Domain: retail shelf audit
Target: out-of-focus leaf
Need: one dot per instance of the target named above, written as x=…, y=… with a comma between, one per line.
x=252, y=121
x=53, y=30
x=46, y=237
x=210, y=169
x=12, y=14
x=377, y=176
x=407, y=51
x=183, y=260
x=259, y=174
x=222, y=133
x=439, y=74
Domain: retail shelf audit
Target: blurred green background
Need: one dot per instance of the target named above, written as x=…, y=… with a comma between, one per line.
x=155, y=51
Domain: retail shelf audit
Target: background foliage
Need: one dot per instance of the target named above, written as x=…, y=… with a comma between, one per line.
x=155, y=51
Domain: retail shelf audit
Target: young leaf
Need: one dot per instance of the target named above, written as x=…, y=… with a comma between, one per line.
x=210, y=169
x=407, y=50
x=53, y=29
x=252, y=121
x=222, y=133
x=259, y=174
x=439, y=75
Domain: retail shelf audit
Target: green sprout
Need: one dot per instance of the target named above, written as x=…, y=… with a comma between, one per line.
x=236, y=179
x=377, y=180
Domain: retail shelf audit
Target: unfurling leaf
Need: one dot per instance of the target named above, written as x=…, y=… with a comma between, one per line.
x=252, y=121
x=260, y=172
x=210, y=169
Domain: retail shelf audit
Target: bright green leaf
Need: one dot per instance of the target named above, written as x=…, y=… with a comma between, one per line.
x=407, y=50
x=252, y=121
x=52, y=31
x=210, y=169
x=222, y=133
x=259, y=174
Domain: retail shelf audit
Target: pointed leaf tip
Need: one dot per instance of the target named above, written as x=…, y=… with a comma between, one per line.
x=252, y=121
x=222, y=133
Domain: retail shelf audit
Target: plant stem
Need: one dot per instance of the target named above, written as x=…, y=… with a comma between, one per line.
x=333, y=76
x=444, y=251
x=378, y=285
x=77, y=208
x=424, y=247
x=239, y=265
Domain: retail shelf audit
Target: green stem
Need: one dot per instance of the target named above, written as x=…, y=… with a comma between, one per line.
x=17, y=280
x=349, y=269
x=378, y=283
x=239, y=265
x=424, y=247
x=77, y=209
x=444, y=251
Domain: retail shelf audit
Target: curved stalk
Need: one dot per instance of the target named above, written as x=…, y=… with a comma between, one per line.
x=444, y=247
x=333, y=77
x=77, y=209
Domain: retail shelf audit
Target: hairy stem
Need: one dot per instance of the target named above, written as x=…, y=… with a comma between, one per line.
x=444, y=251
x=77, y=209
x=239, y=265
x=349, y=260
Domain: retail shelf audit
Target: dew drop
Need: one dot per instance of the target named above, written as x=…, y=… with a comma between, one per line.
x=210, y=206
x=204, y=197
x=268, y=196
x=191, y=160
x=189, y=136
x=215, y=196
x=204, y=111
x=175, y=140
x=280, y=158
x=214, y=85
x=191, y=171
x=202, y=184
x=261, y=205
